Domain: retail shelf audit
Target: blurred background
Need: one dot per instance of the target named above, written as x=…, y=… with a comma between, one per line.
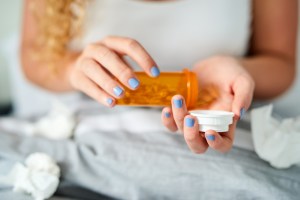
x=10, y=17
x=20, y=98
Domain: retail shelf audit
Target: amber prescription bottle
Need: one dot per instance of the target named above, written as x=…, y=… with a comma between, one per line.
x=160, y=90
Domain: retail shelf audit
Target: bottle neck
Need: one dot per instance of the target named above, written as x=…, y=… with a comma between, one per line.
x=192, y=88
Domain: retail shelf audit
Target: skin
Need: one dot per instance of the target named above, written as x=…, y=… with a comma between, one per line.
x=266, y=72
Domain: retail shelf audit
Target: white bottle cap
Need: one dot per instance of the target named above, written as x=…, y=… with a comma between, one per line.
x=216, y=120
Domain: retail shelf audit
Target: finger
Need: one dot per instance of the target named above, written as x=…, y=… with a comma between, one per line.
x=221, y=142
x=114, y=64
x=168, y=120
x=243, y=93
x=135, y=50
x=98, y=75
x=179, y=110
x=91, y=89
x=196, y=143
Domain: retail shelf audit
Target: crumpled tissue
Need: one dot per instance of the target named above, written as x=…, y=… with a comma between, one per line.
x=57, y=124
x=39, y=176
x=277, y=142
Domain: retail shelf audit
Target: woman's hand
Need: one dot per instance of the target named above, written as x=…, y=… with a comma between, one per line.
x=236, y=89
x=100, y=66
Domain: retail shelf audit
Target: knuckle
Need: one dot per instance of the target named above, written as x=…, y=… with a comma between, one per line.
x=80, y=62
x=125, y=73
x=246, y=79
x=133, y=44
x=88, y=66
x=104, y=53
x=108, y=83
x=89, y=48
x=147, y=60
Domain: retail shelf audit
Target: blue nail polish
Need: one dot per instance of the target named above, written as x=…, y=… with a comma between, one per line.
x=134, y=83
x=167, y=114
x=211, y=137
x=155, y=71
x=189, y=122
x=118, y=91
x=109, y=101
x=242, y=113
x=178, y=103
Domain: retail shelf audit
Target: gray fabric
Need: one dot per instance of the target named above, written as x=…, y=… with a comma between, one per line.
x=9, y=195
x=154, y=166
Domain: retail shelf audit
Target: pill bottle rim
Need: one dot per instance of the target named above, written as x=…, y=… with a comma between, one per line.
x=192, y=88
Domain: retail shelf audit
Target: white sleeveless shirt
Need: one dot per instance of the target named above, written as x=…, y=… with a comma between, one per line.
x=177, y=34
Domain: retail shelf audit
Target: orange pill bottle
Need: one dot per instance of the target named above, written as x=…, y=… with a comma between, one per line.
x=160, y=90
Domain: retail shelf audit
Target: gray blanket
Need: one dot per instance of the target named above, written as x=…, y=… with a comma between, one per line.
x=156, y=165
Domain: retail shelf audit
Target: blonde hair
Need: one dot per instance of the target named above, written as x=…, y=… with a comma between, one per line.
x=59, y=21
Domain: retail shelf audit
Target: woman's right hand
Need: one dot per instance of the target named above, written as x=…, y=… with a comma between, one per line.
x=100, y=66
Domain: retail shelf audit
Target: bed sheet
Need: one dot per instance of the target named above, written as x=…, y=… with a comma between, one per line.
x=151, y=164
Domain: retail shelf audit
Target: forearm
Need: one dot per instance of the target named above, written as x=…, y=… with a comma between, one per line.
x=52, y=76
x=272, y=74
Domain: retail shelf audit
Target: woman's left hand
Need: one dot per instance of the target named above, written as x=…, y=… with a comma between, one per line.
x=236, y=89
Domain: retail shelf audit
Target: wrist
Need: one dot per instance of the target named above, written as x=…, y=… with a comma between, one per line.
x=70, y=64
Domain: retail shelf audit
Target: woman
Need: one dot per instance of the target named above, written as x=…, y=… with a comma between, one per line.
x=246, y=48
x=269, y=65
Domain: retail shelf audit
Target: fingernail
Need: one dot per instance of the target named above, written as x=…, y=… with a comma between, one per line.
x=242, y=113
x=155, y=71
x=211, y=137
x=178, y=103
x=133, y=82
x=118, y=91
x=189, y=122
x=109, y=101
x=167, y=114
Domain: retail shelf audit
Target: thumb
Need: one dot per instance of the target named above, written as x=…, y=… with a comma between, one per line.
x=243, y=89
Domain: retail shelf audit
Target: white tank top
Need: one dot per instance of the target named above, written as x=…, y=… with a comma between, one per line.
x=176, y=33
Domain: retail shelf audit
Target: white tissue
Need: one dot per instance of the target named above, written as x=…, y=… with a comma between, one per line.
x=42, y=162
x=39, y=177
x=274, y=141
x=57, y=124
